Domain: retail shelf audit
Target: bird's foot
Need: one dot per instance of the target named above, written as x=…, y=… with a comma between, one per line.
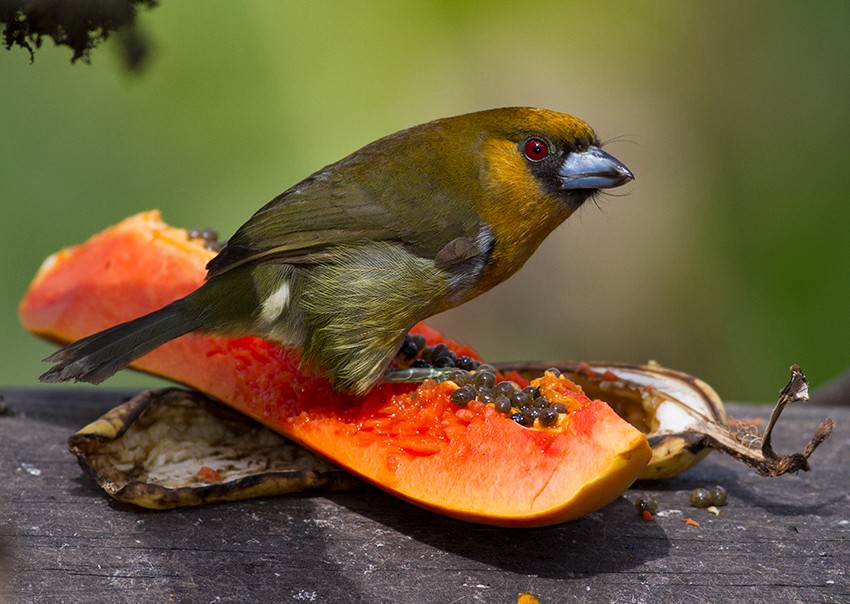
x=417, y=374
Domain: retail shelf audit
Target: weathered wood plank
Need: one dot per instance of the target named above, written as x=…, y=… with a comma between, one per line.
x=778, y=540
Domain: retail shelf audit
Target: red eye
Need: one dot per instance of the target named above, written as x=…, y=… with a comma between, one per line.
x=536, y=149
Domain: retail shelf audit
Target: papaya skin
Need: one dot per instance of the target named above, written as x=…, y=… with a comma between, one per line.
x=477, y=465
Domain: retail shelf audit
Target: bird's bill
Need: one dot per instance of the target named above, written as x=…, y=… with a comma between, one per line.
x=593, y=169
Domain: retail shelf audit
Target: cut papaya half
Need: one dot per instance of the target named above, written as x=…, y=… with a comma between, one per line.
x=469, y=462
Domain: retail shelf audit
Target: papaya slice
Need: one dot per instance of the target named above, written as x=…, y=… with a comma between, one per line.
x=469, y=462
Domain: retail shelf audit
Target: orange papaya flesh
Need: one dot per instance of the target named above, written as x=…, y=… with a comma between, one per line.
x=470, y=463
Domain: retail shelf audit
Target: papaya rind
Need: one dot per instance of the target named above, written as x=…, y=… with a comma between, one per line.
x=137, y=454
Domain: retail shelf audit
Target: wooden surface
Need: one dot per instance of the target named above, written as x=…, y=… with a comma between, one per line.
x=778, y=540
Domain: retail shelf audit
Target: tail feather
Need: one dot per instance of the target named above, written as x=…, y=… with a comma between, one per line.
x=101, y=355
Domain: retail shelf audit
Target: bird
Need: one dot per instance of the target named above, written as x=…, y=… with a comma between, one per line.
x=344, y=263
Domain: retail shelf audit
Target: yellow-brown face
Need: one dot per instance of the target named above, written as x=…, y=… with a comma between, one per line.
x=538, y=167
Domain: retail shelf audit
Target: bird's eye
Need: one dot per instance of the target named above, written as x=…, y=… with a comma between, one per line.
x=536, y=149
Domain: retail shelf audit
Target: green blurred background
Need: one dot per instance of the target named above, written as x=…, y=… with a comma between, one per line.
x=728, y=257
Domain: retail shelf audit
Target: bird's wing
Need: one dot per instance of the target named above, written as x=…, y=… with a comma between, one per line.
x=301, y=224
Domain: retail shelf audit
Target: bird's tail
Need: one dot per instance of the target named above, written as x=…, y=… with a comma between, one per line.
x=100, y=355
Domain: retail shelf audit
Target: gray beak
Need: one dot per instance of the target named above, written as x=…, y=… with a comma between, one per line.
x=593, y=169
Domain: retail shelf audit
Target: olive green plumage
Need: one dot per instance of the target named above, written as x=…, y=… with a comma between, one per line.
x=344, y=263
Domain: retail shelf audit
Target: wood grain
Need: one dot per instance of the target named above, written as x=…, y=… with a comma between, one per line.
x=778, y=540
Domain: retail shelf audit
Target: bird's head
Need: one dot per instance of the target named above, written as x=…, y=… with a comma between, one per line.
x=536, y=157
x=535, y=168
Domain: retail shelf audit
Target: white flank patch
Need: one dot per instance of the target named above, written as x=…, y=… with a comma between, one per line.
x=484, y=239
x=274, y=305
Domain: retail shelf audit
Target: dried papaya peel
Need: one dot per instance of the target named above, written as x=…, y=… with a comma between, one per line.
x=177, y=448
